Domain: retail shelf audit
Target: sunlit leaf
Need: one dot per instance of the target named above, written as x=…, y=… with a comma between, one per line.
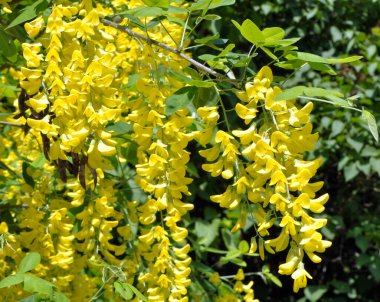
x=344, y=60
x=30, y=12
x=124, y=291
x=251, y=32
x=207, y=39
x=273, y=33
x=29, y=262
x=180, y=99
x=158, y=3
x=37, y=285
x=372, y=125
x=137, y=293
x=12, y=280
x=204, y=4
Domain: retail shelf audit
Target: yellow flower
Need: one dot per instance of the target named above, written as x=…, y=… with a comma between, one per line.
x=288, y=267
x=300, y=277
x=228, y=199
x=30, y=53
x=215, y=279
x=3, y=228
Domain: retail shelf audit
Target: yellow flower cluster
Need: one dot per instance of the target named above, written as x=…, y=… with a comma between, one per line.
x=72, y=90
x=267, y=166
x=161, y=169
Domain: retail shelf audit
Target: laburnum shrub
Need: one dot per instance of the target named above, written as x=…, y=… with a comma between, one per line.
x=100, y=159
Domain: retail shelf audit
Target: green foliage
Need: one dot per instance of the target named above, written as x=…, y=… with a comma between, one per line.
x=349, y=152
x=42, y=290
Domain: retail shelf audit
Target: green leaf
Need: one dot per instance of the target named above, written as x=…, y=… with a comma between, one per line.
x=7, y=46
x=202, y=84
x=232, y=254
x=298, y=91
x=225, y=51
x=130, y=153
x=319, y=92
x=39, y=162
x=7, y=90
x=5, y=167
x=132, y=80
x=197, y=83
x=362, y=243
x=180, y=99
x=290, y=64
x=273, y=33
x=207, y=232
x=173, y=10
x=308, y=57
x=204, y=4
x=137, y=293
x=238, y=261
x=284, y=42
x=337, y=127
x=344, y=60
x=211, y=17
x=274, y=279
x=60, y=297
x=322, y=67
x=269, y=53
x=207, y=39
x=37, y=285
x=315, y=293
x=252, y=33
x=375, y=269
x=338, y=101
x=30, y=12
x=145, y=11
x=28, y=179
x=205, y=97
x=12, y=280
x=350, y=171
x=231, y=240
x=120, y=128
x=123, y=290
x=372, y=125
x=356, y=145
x=290, y=93
x=158, y=3
x=32, y=298
x=224, y=289
x=213, y=250
x=207, y=57
x=243, y=247
x=29, y=262
x=237, y=25
x=5, y=114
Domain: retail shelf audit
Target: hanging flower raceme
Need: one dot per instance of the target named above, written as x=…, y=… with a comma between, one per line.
x=162, y=175
x=71, y=93
x=269, y=171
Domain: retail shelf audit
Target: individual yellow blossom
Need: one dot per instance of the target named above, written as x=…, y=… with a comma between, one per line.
x=300, y=277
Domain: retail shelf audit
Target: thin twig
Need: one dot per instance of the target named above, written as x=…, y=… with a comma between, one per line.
x=184, y=32
x=162, y=45
x=11, y=124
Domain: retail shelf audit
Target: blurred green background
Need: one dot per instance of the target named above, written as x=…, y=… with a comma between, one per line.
x=350, y=270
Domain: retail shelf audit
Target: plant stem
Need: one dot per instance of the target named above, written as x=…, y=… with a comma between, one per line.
x=11, y=124
x=164, y=46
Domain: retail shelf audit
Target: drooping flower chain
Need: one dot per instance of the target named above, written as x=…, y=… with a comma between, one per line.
x=265, y=162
